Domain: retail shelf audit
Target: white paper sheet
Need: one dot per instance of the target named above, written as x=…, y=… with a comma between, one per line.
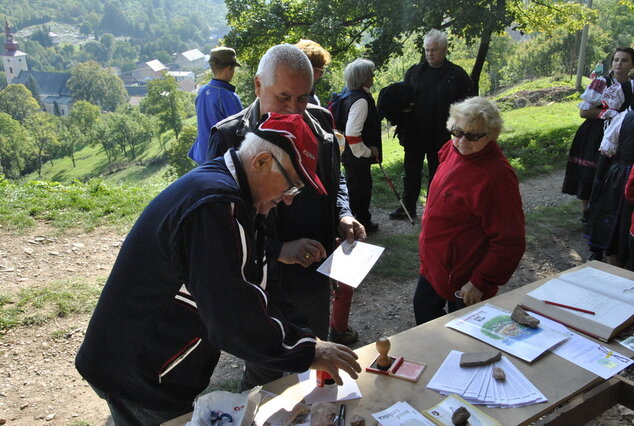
x=331, y=393
x=587, y=354
x=611, y=285
x=350, y=263
x=400, y=414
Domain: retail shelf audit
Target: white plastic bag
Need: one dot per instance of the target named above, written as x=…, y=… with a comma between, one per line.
x=240, y=406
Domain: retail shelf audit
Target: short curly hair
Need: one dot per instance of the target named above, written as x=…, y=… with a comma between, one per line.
x=358, y=72
x=477, y=110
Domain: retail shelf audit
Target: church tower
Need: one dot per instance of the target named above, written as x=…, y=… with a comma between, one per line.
x=13, y=59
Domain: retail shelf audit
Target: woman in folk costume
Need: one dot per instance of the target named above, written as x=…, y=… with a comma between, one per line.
x=602, y=100
x=610, y=211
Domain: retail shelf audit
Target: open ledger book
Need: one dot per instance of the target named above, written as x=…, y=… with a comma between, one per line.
x=609, y=297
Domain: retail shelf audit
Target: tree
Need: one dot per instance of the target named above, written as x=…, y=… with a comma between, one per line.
x=85, y=29
x=14, y=147
x=42, y=37
x=104, y=137
x=84, y=116
x=43, y=128
x=34, y=88
x=70, y=138
x=94, y=51
x=17, y=101
x=178, y=161
x=164, y=101
x=107, y=42
x=341, y=26
x=131, y=130
x=97, y=85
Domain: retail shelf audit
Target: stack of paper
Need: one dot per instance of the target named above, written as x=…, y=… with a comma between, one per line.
x=477, y=385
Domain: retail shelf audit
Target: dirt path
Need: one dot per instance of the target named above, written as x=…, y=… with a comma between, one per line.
x=38, y=381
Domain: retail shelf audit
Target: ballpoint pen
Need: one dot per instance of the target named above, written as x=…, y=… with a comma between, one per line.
x=341, y=420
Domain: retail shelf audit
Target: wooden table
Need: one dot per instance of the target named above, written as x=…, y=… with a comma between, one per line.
x=577, y=394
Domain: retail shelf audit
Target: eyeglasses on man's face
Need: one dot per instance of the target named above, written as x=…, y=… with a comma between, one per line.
x=293, y=189
x=473, y=137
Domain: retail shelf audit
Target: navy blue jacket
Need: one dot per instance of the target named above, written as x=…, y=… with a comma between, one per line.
x=186, y=285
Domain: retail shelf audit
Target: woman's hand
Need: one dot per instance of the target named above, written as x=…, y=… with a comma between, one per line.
x=470, y=294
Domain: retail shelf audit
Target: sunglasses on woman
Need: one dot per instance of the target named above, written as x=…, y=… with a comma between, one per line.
x=473, y=137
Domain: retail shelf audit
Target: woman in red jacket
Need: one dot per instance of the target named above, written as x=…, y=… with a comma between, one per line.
x=472, y=232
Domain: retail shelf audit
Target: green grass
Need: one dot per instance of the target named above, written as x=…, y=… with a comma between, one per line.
x=537, y=139
x=91, y=162
x=541, y=83
x=76, y=204
x=542, y=223
x=399, y=260
x=382, y=195
x=35, y=306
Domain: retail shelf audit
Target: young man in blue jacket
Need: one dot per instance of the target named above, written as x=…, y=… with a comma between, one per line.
x=216, y=100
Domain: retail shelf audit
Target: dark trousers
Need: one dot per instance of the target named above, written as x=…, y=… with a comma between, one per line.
x=313, y=301
x=413, y=168
x=128, y=413
x=428, y=305
x=630, y=265
x=359, y=180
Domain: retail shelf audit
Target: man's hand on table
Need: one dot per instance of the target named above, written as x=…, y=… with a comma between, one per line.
x=331, y=357
x=303, y=251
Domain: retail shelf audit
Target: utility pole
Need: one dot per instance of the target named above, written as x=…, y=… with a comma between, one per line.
x=582, y=51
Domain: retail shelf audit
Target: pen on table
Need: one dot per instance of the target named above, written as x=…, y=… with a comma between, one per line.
x=341, y=420
x=568, y=307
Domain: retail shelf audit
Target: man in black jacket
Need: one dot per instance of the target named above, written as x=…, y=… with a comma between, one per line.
x=437, y=83
x=190, y=281
x=306, y=230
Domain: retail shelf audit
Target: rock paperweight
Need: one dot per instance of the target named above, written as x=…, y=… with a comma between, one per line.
x=476, y=359
x=523, y=317
x=499, y=374
x=322, y=413
x=357, y=421
x=460, y=416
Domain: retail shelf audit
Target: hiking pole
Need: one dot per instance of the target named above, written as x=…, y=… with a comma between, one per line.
x=398, y=197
